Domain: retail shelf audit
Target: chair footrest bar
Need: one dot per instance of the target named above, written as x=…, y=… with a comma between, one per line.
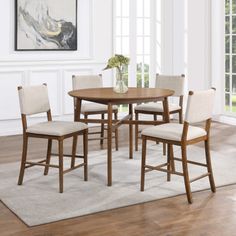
x=199, y=177
x=113, y=129
x=163, y=170
x=73, y=168
x=68, y=155
x=99, y=138
x=99, y=132
x=30, y=164
x=191, y=162
x=92, y=133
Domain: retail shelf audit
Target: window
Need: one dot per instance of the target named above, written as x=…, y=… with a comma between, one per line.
x=143, y=43
x=230, y=56
x=137, y=23
x=122, y=33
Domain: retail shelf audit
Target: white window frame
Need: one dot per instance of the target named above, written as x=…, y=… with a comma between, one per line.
x=230, y=63
x=218, y=58
x=132, y=80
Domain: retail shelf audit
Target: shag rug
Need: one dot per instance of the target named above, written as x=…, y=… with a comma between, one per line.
x=38, y=201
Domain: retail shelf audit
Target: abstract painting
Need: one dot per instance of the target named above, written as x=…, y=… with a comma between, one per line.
x=45, y=25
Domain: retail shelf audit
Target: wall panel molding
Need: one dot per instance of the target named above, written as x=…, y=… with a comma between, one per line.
x=9, y=104
x=59, y=81
x=59, y=63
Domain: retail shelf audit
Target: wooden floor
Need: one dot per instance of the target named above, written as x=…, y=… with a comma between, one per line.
x=210, y=214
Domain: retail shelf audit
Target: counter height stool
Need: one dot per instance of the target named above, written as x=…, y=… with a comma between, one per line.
x=199, y=109
x=92, y=108
x=34, y=100
x=172, y=82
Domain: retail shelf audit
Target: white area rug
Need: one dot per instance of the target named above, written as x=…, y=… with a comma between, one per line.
x=37, y=201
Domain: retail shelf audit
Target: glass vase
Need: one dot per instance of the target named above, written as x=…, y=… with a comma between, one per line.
x=120, y=86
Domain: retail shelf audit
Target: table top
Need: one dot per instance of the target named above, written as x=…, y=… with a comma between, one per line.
x=134, y=95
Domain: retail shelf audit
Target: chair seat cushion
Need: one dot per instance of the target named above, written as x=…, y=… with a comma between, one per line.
x=56, y=128
x=95, y=107
x=172, y=131
x=156, y=107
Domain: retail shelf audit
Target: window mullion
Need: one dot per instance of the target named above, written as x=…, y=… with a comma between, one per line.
x=153, y=44
x=143, y=48
x=133, y=44
x=230, y=57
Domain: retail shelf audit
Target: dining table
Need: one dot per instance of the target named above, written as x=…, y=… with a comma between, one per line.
x=108, y=97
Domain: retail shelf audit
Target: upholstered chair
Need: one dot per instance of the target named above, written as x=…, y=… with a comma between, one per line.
x=172, y=82
x=199, y=109
x=34, y=100
x=91, y=108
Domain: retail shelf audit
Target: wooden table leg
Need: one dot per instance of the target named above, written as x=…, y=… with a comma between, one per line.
x=131, y=132
x=77, y=109
x=166, y=110
x=109, y=146
x=167, y=120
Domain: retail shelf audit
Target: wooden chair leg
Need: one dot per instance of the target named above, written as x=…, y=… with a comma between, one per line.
x=60, y=151
x=85, y=143
x=102, y=130
x=155, y=119
x=172, y=161
x=168, y=162
x=209, y=167
x=164, y=149
x=144, y=146
x=185, y=172
x=23, y=159
x=181, y=116
x=85, y=117
x=74, y=145
x=49, y=150
x=136, y=132
x=116, y=133
x=164, y=144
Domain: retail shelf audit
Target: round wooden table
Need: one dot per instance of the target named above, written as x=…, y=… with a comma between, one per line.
x=109, y=97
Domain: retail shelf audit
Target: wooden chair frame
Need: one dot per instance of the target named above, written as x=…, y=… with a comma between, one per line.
x=171, y=159
x=46, y=162
x=155, y=114
x=103, y=128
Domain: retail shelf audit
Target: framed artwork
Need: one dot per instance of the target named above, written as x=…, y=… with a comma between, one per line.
x=42, y=25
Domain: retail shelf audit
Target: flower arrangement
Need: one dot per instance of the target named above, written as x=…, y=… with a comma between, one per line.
x=119, y=62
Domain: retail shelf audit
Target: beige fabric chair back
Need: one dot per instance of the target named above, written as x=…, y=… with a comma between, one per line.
x=200, y=106
x=33, y=99
x=172, y=82
x=86, y=81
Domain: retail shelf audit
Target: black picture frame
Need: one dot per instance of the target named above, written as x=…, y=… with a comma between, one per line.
x=40, y=27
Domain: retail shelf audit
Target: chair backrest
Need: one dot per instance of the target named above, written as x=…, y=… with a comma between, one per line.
x=199, y=106
x=33, y=99
x=172, y=82
x=86, y=81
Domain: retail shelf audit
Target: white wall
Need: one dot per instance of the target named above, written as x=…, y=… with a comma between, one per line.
x=54, y=68
x=218, y=57
x=199, y=44
x=186, y=41
x=206, y=49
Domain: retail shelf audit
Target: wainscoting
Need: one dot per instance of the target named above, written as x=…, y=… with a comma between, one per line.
x=59, y=81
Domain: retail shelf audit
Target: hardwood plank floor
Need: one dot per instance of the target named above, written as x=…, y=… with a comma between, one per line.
x=210, y=214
